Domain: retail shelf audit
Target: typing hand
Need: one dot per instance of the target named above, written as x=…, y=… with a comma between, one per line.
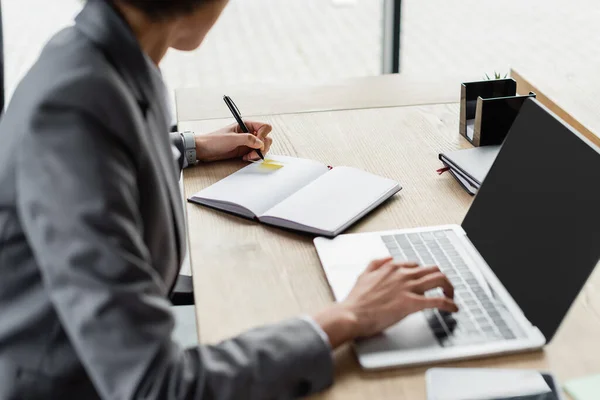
x=385, y=293
x=231, y=142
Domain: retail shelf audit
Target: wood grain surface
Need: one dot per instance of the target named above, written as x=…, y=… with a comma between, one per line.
x=571, y=94
x=355, y=93
x=247, y=274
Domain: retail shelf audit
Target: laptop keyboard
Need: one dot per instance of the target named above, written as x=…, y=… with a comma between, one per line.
x=478, y=319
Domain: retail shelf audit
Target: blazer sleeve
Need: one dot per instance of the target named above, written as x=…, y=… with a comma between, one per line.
x=178, y=147
x=78, y=203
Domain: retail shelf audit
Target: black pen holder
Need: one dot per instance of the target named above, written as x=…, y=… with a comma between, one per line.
x=488, y=110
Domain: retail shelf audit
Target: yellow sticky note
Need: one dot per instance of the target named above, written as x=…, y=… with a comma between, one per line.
x=270, y=165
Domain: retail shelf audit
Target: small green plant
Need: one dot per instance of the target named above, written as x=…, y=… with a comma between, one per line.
x=497, y=75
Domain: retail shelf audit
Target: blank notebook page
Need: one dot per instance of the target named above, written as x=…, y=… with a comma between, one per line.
x=258, y=189
x=334, y=199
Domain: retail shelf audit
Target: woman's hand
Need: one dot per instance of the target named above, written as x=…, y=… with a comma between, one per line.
x=385, y=293
x=231, y=142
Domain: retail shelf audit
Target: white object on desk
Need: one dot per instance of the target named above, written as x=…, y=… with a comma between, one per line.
x=483, y=384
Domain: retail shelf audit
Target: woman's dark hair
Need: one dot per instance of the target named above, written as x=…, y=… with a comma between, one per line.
x=159, y=9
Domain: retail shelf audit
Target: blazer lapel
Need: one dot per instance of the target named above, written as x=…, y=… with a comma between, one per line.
x=110, y=32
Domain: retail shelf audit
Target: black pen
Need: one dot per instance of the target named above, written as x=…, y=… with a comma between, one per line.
x=238, y=117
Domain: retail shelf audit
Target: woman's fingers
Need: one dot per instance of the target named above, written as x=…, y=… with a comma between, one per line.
x=268, y=142
x=418, y=273
x=258, y=140
x=409, y=264
x=249, y=140
x=252, y=156
x=376, y=264
x=264, y=131
x=441, y=303
x=261, y=129
x=432, y=281
x=392, y=265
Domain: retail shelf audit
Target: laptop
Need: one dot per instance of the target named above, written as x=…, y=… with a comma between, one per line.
x=524, y=251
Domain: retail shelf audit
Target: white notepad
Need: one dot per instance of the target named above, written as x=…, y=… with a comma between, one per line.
x=302, y=195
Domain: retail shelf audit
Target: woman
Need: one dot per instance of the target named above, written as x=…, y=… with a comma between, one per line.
x=92, y=231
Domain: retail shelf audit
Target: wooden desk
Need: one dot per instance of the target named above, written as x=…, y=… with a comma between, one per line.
x=571, y=94
x=247, y=274
x=356, y=93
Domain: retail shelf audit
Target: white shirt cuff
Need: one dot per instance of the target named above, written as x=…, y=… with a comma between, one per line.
x=317, y=329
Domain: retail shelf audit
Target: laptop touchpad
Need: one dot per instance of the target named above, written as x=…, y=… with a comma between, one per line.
x=413, y=332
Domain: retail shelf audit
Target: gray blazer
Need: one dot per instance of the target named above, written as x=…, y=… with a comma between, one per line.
x=92, y=238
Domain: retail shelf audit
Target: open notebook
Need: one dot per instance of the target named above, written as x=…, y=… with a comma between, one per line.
x=299, y=194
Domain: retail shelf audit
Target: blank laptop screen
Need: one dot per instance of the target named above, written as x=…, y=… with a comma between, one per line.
x=536, y=218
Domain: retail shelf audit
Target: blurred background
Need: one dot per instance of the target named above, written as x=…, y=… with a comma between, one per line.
x=317, y=41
